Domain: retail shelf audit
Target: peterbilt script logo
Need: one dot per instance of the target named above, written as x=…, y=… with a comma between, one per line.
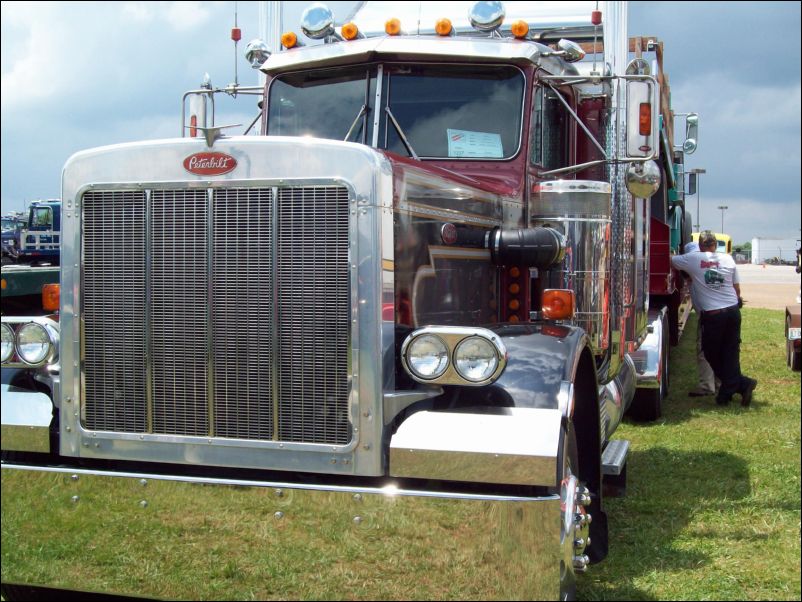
x=210, y=164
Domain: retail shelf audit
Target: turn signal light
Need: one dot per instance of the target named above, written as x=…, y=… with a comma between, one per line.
x=392, y=27
x=443, y=27
x=51, y=296
x=645, y=119
x=350, y=31
x=289, y=39
x=558, y=304
x=519, y=29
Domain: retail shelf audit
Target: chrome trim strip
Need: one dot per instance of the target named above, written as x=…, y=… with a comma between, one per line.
x=274, y=300
x=389, y=490
x=377, y=102
x=210, y=392
x=148, y=300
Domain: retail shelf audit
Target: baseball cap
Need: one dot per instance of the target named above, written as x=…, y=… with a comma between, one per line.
x=706, y=237
x=691, y=247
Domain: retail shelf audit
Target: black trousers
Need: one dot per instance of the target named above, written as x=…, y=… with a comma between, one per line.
x=721, y=344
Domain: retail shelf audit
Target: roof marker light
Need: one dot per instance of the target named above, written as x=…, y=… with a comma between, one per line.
x=350, y=31
x=519, y=28
x=392, y=27
x=443, y=27
x=289, y=39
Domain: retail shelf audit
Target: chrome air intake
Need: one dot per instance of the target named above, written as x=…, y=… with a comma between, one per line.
x=580, y=210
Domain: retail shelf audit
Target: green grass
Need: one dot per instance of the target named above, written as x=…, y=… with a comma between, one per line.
x=712, y=511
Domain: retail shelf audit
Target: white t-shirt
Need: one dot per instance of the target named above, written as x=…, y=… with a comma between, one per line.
x=713, y=276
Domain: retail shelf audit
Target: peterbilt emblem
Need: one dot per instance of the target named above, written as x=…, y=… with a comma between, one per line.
x=210, y=164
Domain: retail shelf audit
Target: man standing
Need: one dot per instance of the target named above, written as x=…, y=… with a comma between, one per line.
x=717, y=293
x=708, y=383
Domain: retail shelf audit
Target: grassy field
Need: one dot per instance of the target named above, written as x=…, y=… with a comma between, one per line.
x=712, y=513
x=713, y=506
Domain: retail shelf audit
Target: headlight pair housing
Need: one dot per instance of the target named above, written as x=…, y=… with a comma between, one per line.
x=28, y=342
x=454, y=355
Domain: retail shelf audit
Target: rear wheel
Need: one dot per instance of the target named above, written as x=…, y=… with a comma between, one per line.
x=792, y=357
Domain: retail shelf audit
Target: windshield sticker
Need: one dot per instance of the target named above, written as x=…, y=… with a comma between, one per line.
x=463, y=143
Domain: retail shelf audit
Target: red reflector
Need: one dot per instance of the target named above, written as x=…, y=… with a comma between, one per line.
x=236, y=34
x=193, y=126
x=645, y=119
x=388, y=312
x=595, y=17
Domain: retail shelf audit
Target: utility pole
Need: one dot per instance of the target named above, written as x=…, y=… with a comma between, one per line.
x=698, y=172
x=723, y=209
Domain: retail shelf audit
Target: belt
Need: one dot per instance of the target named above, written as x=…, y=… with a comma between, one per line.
x=713, y=312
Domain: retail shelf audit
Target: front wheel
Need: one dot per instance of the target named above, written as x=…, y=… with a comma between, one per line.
x=574, y=520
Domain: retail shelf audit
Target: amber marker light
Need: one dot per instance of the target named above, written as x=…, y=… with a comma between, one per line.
x=289, y=39
x=645, y=119
x=514, y=304
x=392, y=27
x=443, y=27
x=519, y=29
x=514, y=288
x=515, y=272
x=558, y=304
x=350, y=31
x=51, y=295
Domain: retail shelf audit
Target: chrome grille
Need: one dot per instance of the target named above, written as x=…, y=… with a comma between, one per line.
x=243, y=313
x=313, y=321
x=113, y=282
x=235, y=323
x=179, y=311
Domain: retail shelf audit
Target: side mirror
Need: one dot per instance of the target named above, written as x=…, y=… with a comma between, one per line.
x=691, y=133
x=643, y=179
x=642, y=111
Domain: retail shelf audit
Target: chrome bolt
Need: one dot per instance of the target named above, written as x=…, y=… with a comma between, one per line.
x=75, y=499
x=278, y=515
x=69, y=430
x=143, y=482
x=357, y=520
x=357, y=497
x=581, y=563
x=74, y=477
x=279, y=493
x=579, y=544
x=144, y=503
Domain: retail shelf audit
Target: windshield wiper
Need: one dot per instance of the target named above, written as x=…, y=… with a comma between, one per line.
x=359, y=116
x=401, y=135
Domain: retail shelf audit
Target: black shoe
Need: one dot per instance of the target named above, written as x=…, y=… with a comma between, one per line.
x=746, y=395
x=698, y=392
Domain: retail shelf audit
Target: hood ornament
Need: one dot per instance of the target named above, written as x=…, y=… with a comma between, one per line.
x=214, y=132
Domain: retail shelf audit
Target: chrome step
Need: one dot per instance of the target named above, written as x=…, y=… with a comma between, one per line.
x=614, y=456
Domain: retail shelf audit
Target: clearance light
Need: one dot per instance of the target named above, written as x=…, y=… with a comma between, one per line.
x=392, y=27
x=519, y=29
x=515, y=272
x=558, y=304
x=515, y=288
x=514, y=304
x=51, y=295
x=289, y=39
x=350, y=31
x=514, y=318
x=645, y=119
x=443, y=27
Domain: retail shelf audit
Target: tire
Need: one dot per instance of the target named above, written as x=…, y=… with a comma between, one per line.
x=567, y=482
x=647, y=405
x=792, y=358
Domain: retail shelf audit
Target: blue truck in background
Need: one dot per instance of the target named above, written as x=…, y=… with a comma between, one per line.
x=38, y=240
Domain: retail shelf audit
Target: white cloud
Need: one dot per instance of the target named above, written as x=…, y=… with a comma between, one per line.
x=138, y=11
x=183, y=16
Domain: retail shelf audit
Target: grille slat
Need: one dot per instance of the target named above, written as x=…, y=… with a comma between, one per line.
x=243, y=313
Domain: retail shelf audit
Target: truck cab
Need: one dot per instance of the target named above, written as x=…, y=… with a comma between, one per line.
x=40, y=237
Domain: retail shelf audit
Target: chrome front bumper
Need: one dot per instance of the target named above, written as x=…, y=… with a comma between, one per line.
x=212, y=538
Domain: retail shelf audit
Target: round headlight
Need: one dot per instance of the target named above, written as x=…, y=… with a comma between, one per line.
x=317, y=21
x=33, y=343
x=476, y=359
x=7, y=347
x=427, y=356
x=487, y=15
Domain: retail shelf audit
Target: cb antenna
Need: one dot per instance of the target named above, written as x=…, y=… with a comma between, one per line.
x=236, y=35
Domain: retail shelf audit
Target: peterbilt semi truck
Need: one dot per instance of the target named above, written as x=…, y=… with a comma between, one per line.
x=377, y=347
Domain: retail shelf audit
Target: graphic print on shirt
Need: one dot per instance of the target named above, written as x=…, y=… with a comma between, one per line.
x=713, y=278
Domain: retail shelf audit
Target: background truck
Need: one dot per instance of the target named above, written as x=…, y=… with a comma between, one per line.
x=38, y=241
x=416, y=358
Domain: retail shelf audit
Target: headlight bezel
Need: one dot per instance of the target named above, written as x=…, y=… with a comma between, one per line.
x=453, y=337
x=8, y=331
x=485, y=375
x=47, y=325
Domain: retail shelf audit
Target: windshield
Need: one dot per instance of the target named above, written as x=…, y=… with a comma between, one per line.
x=9, y=223
x=429, y=111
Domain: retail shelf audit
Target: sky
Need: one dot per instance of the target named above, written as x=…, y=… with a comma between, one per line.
x=76, y=75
